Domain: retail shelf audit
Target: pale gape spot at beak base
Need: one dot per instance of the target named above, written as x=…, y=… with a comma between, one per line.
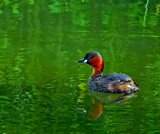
x=85, y=61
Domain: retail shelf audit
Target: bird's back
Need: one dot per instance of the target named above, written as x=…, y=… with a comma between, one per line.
x=113, y=83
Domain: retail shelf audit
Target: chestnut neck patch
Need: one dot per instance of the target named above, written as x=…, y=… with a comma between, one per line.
x=97, y=64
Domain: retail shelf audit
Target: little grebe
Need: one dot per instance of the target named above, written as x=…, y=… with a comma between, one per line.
x=109, y=83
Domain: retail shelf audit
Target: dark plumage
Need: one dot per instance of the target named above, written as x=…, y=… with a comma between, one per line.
x=109, y=83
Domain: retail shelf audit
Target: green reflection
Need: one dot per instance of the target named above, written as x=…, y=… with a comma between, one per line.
x=42, y=88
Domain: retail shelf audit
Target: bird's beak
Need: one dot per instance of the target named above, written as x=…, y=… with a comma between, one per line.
x=82, y=60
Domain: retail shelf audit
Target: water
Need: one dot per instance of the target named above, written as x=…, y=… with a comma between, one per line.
x=42, y=88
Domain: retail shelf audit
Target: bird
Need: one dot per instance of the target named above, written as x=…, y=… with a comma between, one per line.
x=115, y=83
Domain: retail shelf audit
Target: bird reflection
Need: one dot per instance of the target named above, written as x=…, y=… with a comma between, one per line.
x=95, y=109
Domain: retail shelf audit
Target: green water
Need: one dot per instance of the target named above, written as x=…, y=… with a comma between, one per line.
x=42, y=88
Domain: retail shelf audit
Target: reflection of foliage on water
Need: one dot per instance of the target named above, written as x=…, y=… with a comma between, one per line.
x=157, y=64
x=158, y=9
x=80, y=15
x=40, y=42
x=81, y=97
x=157, y=76
x=56, y=7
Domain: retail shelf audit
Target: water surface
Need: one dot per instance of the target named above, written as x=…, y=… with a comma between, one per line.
x=42, y=88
